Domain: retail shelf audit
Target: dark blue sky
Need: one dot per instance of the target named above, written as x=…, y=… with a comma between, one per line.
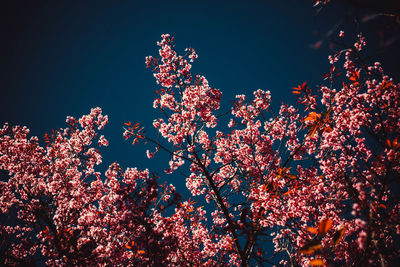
x=62, y=58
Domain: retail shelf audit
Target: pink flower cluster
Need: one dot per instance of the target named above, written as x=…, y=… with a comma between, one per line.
x=68, y=215
x=334, y=160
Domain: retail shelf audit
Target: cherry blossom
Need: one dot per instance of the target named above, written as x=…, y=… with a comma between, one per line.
x=332, y=158
x=315, y=183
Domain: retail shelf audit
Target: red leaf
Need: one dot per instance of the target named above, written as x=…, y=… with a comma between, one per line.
x=312, y=230
x=310, y=247
x=338, y=235
x=395, y=143
x=386, y=84
x=135, y=126
x=130, y=245
x=301, y=87
x=288, y=192
x=313, y=116
x=314, y=129
x=355, y=76
x=388, y=143
x=324, y=226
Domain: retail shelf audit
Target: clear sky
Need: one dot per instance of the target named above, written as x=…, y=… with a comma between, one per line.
x=62, y=58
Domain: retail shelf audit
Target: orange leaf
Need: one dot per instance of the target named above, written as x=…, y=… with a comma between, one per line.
x=141, y=251
x=338, y=235
x=288, y=192
x=355, y=75
x=317, y=262
x=312, y=230
x=128, y=123
x=314, y=129
x=310, y=247
x=324, y=226
x=395, y=143
x=132, y=244
x=388, y=143
x=312, y=116
x=301, y=87
x=386, y=84
x=383, y=206
x=296, y=92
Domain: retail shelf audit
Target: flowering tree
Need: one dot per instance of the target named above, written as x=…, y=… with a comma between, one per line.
x=320, y=179
x=313, y=184
x=68, y=215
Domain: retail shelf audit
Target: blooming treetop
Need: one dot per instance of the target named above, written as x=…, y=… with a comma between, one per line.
x=320, y=178
x=71, y=216
x=318, y=181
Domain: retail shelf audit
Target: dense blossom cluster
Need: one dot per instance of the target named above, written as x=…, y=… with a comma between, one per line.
x=317, y=181
x=70, y=216
x=334, y=158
